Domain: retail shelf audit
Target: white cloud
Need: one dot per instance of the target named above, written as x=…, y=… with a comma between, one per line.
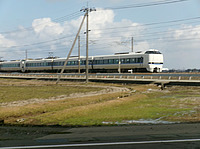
x=182, y=50
x=187, y=31
x=4, y=42
x=109, y=36
x=46, y=27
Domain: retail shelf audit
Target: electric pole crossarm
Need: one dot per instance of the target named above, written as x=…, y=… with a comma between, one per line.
x=71, y=49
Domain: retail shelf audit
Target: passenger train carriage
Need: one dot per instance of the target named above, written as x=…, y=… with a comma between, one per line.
x=150, y=61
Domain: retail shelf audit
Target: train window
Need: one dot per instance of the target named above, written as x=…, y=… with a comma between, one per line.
x=132, y=60
x=72, y=62
x=139, y=60
x=152, y=52
x=61, y=63
x=110, y=61
x=82, y=62
x=116, y=61
x=105, y=61
x=90, y=62
x=99, y=61
x=49, y=64
x=122, y=61
x=127, y=60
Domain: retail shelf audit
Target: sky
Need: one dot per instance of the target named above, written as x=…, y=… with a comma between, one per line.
x=43, y=28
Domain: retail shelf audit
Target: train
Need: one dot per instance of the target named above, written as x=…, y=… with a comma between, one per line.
x=142, y=61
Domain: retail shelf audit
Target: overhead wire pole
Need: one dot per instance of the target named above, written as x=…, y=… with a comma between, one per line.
x=87, y=10
x=58, y=79
x=26, y=54
x=79, y=53
x=87, y=31
x=132, y=44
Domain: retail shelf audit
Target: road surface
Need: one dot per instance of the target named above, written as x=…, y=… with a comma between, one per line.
x=108, y=137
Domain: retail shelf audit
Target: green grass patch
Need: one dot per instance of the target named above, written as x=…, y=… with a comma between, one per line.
x=93, y=111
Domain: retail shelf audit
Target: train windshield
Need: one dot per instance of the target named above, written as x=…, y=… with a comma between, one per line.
x=152, y=52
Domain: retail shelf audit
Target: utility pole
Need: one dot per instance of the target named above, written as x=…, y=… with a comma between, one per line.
x=87, y=10
x=58, y=79
x=132, y=44
x=87, y=47
x=50, y=54
x=79, y=53
x=26, y=55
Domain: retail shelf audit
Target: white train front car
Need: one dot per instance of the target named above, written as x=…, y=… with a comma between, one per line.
x=153, y=60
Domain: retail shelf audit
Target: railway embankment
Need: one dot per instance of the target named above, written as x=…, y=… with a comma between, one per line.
x=162, y=79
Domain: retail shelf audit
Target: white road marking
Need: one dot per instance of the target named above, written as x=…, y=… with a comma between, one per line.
x=102, y=144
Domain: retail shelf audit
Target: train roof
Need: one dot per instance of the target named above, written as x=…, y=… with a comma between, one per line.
x=150, y=51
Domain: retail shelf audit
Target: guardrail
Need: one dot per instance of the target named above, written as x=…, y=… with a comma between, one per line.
x=108, y=76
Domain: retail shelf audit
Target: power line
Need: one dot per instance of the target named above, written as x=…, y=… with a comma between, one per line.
x=144, y=34
x=164, y=2
x=77, y=13
x=58, y=39
x=60, y=19
x=151, y=24
x=38, y=43
x=193, y=40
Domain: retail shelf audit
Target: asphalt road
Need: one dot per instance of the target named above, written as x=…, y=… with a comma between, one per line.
x=110, y=137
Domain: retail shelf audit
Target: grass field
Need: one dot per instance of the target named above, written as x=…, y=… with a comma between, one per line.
x=141, y=102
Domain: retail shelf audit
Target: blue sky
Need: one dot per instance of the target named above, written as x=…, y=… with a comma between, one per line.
x=31, y=25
